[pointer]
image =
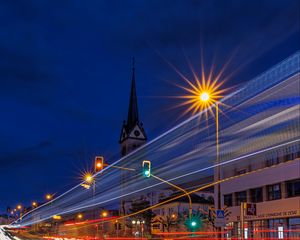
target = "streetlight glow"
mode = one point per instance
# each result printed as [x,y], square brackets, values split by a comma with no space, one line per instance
[88,178]
[48,197]
[104,214]
[202,93]
[204,96]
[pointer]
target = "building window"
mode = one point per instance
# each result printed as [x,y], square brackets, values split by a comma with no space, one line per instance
[293,188]
[256,195]
[240,197]
[274,192]
[242,171]
[228,200]
[272,161]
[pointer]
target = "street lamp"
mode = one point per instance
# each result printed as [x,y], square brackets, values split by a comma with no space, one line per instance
[203,96]
[19,207]
[48,197]
[89,178]
[79,216]
[34,204]
[104,214]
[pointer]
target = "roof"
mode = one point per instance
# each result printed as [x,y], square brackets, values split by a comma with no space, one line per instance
[194,197]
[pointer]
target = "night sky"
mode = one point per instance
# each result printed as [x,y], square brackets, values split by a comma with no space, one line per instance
[65,72]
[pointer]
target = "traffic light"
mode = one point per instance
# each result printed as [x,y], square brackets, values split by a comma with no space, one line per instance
[146,168]
[193,224]
[99,163]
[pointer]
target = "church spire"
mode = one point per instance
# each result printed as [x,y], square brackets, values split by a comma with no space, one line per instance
[132,134]
[133,114]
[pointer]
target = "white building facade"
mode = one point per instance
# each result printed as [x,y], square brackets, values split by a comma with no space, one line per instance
[267,167]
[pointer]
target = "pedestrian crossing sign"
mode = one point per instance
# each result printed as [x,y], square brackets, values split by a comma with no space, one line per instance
[220,214]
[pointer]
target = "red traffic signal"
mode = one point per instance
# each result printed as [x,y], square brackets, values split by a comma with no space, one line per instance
[99,163]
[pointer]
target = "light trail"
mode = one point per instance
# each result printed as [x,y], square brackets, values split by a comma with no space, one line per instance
[201,188]
[189,153]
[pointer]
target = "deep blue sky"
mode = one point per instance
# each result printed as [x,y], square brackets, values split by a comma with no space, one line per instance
[65,69]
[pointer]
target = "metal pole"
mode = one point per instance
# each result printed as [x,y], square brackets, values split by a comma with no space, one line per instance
[179,188]
[242,220]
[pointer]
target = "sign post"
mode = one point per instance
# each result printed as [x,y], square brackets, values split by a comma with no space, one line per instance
[248,209]
[220,218]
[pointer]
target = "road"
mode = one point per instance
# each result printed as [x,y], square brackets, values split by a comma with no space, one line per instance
[4,235]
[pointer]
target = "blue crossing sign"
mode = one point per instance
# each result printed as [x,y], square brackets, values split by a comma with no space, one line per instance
[220,220]
[220,213]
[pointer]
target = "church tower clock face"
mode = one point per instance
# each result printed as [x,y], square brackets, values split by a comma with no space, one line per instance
[137,133]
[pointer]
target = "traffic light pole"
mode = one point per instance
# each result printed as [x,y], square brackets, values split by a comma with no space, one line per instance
[179,188]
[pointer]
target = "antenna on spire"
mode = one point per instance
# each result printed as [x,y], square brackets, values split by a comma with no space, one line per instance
[133,63]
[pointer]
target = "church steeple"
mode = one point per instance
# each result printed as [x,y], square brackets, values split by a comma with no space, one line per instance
[133,134]
[133,113]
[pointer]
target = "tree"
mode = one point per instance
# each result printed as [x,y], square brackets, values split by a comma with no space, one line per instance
[146,216]
[166,221]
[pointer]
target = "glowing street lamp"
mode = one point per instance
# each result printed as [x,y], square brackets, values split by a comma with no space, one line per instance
[204,96]
[104,214]
[19,207]
[79,216]
[89,178]
[34,204]
[48,197]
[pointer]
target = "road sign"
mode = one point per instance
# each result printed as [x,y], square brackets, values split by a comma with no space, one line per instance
[220,214]
[251,209]
[220,220]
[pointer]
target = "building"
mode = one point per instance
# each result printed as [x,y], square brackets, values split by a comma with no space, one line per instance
[170,216]
[133,134]
[270,180]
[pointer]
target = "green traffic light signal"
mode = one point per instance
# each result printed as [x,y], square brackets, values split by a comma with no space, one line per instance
[146,168]
[146,173]
[193,224]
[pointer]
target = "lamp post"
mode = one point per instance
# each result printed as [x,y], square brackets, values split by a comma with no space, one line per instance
[104,214]
[205,99]
[90,180]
